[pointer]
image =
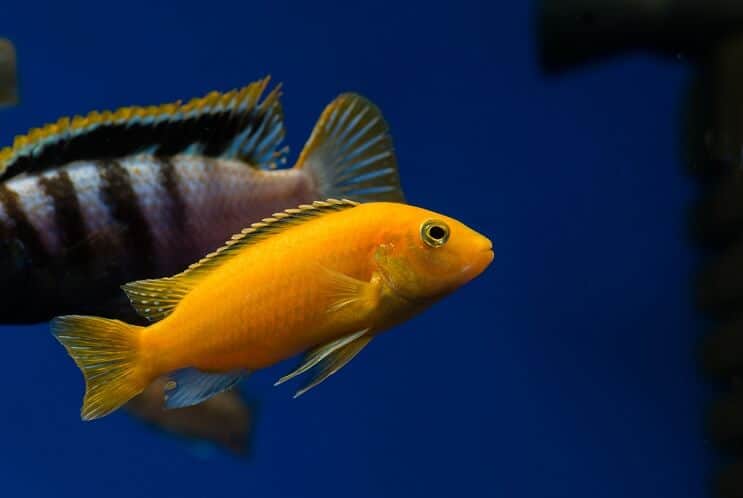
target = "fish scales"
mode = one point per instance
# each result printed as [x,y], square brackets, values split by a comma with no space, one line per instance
[217,193]
[31,212]
[137,238]
[324,278]
[129,214]
[94,254]
[71,234]
[68,224]
[278,304]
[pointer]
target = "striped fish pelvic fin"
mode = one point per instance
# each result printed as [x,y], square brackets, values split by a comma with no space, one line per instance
[242,124]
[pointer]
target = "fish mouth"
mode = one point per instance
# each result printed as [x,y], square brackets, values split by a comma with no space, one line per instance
[484,257]
[479,261]
[488,249]
[488,257]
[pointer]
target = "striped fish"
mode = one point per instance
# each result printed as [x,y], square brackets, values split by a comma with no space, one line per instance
[90,203]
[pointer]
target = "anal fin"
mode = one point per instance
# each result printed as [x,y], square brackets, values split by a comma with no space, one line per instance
[190,386]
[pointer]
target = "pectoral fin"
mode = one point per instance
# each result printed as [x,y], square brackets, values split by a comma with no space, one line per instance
[330,357]
[350,293]
[351,296]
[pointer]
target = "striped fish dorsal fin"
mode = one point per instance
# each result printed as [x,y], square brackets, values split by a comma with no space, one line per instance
[238,124]
[155,299]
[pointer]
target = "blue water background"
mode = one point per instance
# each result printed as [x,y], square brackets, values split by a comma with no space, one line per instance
[567,370]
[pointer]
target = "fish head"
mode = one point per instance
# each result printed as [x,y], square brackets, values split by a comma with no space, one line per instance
[430,255]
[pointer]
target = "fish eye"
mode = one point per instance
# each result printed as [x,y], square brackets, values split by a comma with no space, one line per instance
[434,233]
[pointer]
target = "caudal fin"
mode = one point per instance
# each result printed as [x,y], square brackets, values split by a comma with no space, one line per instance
[106,351]
[350,153]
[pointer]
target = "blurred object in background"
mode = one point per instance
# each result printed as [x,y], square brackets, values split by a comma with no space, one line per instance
[721,352]
[714,139]
[729,482]
[8,76]
[718,217]
[223,419]
[710,34]
[576,32]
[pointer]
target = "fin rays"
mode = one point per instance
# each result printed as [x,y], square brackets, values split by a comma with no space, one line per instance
[190,386]
[106,351]
[242,124]
[155,299]
[328,359]
[258,231]
[333,363]
[350,153]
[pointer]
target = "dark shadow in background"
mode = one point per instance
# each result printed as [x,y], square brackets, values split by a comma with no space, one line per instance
[8,74]
[224,420]
[709,34]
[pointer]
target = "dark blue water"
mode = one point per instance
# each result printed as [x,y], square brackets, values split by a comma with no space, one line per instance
[567,370]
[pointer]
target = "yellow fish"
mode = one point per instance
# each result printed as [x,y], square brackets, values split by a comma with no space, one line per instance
[324,278]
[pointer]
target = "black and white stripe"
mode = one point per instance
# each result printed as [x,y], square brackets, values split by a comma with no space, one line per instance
[169,179]
[100,227]
[69,225]
[118,194]
[21,216]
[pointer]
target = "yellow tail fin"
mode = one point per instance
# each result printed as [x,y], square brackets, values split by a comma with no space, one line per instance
[106,351]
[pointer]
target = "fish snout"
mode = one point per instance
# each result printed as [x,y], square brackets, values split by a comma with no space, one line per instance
[481,257]
[487,254]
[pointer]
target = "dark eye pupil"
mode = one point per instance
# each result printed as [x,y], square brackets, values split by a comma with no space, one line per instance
[436,232]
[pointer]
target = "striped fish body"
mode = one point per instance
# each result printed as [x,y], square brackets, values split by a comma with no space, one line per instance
[73,235]
[89,204]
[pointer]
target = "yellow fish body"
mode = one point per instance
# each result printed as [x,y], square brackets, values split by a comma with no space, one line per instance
[324,278]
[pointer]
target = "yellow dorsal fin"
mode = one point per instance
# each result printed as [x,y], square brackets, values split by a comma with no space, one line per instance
[245,124]
[155,299]
[263,229]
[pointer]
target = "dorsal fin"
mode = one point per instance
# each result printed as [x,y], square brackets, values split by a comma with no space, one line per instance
[263,229]
[235,124]
[155,299]
[350,152]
